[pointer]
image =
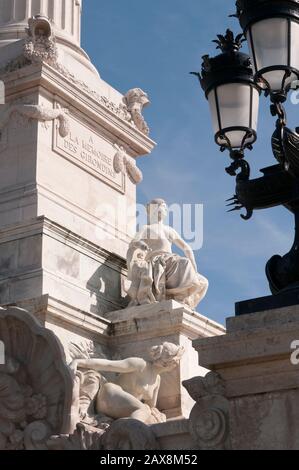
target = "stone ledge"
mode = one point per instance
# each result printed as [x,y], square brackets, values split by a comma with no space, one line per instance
[264,319]
[174,435]
[164,316]
[246,346]
[288,298]
[42,225]
[49,310]
[254,356]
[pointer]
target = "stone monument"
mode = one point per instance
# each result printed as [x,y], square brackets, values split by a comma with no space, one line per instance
[69,320]
[60,133]
[69,147]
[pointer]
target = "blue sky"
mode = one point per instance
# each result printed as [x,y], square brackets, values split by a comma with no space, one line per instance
[154,45]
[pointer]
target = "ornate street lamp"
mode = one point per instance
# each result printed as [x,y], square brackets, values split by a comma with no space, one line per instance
[272,31]
[233,96]
[232,89]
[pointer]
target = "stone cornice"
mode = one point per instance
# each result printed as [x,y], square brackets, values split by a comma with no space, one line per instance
[83,98]
[43,225]
[245,347]
[164,318]
[47,309]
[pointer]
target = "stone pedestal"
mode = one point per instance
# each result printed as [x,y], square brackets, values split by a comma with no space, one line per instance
[262,385]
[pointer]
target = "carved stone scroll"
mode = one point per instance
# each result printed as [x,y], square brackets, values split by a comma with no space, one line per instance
[209,419]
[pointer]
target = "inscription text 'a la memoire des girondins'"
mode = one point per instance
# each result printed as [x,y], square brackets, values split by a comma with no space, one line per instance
[90,151]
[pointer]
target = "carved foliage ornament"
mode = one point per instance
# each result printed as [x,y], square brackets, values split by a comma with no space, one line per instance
[125,164]
[36,112]
[40,44]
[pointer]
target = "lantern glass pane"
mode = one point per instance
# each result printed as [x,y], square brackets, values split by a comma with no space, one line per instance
[238,107]
[213,110]
[270,42]
[269,46]
[294,45]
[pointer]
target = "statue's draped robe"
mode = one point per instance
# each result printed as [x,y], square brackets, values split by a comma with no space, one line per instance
[174,277]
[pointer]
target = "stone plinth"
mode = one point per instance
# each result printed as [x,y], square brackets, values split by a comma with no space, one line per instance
[135,330]
[173,435]
[262,385]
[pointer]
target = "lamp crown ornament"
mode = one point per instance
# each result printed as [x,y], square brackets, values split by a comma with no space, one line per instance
[230,60]
[229,42]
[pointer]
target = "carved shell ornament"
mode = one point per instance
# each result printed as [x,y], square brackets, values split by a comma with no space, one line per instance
[35,383]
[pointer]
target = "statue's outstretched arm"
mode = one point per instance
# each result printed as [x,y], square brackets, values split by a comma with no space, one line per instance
[180,243]
[103,365]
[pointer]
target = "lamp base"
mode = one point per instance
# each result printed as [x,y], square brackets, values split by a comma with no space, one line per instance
[283,271]
[287,298]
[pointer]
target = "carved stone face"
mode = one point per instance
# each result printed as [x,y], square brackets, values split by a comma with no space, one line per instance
[167,356]
[157,211]
[163,210]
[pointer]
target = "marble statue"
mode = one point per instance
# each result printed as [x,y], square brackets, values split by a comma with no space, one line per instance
[134,392]
[155,272]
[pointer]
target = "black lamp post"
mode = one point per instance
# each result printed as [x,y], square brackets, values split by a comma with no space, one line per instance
[232,82]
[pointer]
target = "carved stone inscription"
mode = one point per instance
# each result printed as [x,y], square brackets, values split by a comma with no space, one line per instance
[87,149]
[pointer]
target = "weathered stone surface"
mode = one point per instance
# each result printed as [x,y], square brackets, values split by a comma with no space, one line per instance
[261,381]
[40,257]
[209,419]
[174,435]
